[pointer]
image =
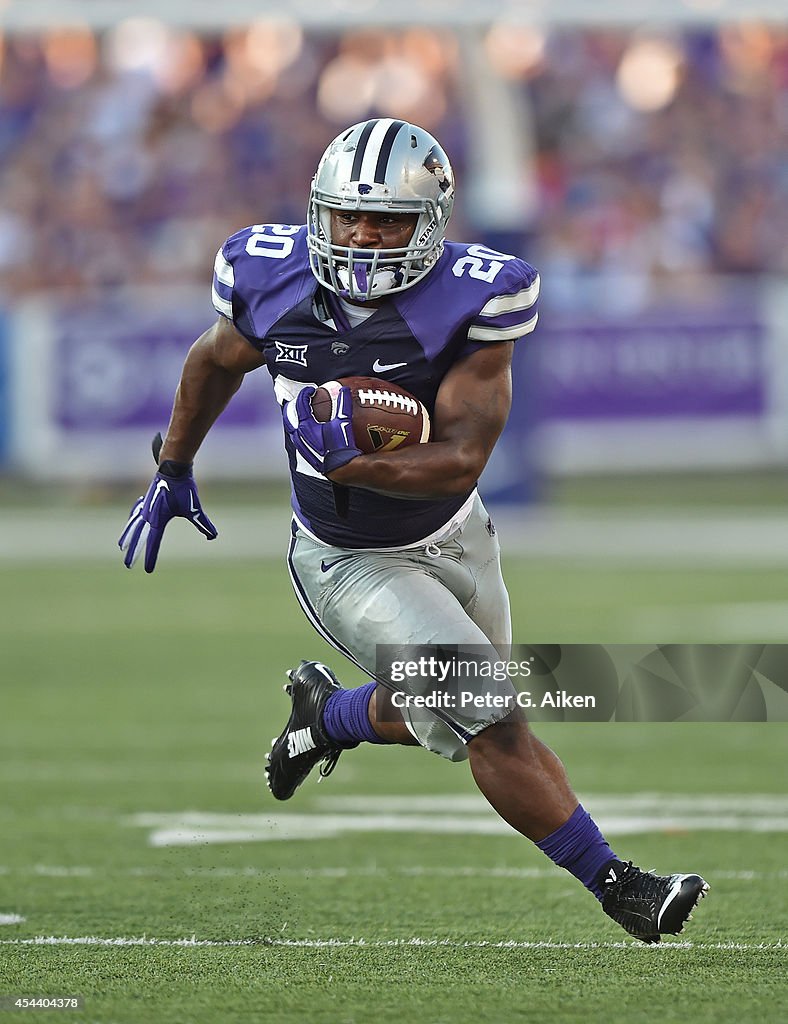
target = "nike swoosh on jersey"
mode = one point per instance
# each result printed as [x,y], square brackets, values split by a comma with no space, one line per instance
[379,367]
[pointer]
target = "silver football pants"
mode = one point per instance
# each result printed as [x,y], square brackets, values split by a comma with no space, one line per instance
[449,594]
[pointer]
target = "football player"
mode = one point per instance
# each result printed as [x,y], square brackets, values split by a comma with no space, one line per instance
[392,550]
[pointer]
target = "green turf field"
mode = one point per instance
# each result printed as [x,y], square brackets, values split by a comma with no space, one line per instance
[135,714]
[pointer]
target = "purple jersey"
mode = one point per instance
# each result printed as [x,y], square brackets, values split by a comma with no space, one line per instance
[473,296]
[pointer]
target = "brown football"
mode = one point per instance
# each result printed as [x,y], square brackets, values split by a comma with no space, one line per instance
[385,416]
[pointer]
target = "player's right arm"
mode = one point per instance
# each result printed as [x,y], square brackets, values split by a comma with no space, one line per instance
[214,368]
[212,373]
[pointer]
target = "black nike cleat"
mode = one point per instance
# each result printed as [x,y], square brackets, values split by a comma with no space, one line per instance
[303,742]
[648,905]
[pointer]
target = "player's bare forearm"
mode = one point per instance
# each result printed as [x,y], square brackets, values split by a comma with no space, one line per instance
[212,373]
[470,412]
[202,394]
[436,470]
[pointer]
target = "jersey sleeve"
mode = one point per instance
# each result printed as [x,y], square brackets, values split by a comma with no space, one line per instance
[258,273]
[511,313]
[223,284]
[228,291]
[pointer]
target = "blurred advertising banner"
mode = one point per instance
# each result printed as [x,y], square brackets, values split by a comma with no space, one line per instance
[94,379]
[696,384]
[91,378]
[655,367]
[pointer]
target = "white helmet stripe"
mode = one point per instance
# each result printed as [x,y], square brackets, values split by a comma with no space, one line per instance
[369,162]
[385,151]
[361,145]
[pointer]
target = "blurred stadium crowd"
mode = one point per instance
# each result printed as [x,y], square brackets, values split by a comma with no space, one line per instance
[127,157]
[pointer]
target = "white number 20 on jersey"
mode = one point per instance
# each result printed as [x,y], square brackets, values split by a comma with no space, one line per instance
[475,262]
[272,240]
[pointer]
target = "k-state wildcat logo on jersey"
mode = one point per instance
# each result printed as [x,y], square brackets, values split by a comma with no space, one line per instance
[290,353]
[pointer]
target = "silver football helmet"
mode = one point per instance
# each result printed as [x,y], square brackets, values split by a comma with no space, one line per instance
[382,166]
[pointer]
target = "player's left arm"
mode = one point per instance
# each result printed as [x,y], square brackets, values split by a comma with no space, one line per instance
[471,409]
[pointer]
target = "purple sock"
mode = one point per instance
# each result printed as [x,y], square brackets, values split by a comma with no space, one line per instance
[580,847]
[346,716]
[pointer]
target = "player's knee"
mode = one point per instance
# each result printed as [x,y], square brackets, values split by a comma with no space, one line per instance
[505,737]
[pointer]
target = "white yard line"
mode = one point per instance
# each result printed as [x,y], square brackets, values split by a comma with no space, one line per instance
[11,919]
[450,814]
[309,827]
[334,943]
[462,815]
